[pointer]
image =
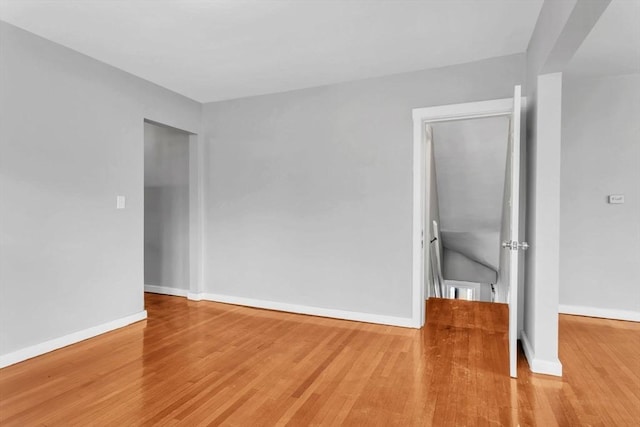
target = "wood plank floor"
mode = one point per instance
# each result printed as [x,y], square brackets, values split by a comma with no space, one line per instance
[203,363]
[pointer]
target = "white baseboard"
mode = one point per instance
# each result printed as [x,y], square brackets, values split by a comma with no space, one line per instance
[56,343]
[605,313]
[165,290]
[405,322]
[539,366]
[194,296]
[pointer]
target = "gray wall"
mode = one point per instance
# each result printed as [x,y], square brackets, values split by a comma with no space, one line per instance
[309,193]
[600,242]
[539,295]
[71,139]
[470,159]
[166,207]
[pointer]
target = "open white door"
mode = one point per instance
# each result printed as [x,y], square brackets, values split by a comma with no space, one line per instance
[513,245]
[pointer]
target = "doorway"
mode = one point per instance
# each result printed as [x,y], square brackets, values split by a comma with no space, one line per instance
[424,119]
[167,192]
[465,208]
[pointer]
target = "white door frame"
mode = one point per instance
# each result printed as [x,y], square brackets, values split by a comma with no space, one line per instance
[421,117]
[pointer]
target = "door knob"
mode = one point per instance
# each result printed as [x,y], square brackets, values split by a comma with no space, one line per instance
[514,246]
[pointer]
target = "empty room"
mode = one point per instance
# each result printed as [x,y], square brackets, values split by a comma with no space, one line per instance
[319,212]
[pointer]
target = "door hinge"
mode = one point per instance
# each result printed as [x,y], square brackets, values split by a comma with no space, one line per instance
[514,246]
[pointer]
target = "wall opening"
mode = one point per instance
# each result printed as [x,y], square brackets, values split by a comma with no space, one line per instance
[467,199]
[166,210]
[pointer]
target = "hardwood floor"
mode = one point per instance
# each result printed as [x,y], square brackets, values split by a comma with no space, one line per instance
[203,363]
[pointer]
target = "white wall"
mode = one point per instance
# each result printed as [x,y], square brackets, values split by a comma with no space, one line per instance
[541,157]
[600,242]
[561,28]
[542,293]
[166,207]
[71,139]
[309,193]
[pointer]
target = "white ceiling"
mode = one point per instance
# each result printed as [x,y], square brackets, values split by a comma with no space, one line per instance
[613,46]
[214,50]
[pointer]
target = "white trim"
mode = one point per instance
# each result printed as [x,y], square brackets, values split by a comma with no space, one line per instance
[166,290]
[514,229]
[194,296]
[469,110]
[56,343]
[538,366]
[605,313]
[417,271]
[314,311]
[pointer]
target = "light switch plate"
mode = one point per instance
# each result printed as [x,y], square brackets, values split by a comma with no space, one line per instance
[616,199]
[120,202]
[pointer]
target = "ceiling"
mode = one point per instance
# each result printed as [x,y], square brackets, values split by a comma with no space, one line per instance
[471,157]
[613,45]
[223,49]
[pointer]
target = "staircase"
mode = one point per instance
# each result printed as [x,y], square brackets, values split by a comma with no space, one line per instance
[468,264]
